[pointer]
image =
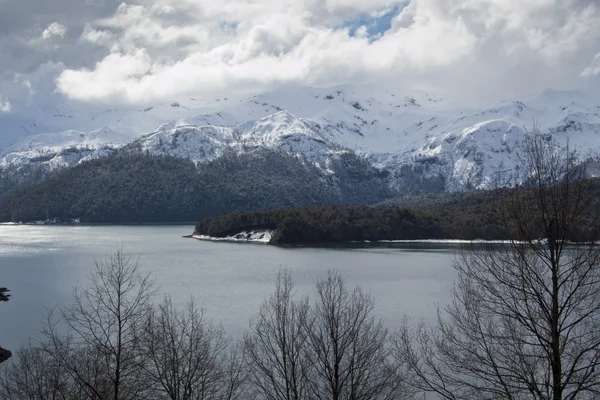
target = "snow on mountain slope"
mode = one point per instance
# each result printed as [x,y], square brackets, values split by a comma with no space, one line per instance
[280,131]
[51,131]
[60,115]
[417,136]
[64,148]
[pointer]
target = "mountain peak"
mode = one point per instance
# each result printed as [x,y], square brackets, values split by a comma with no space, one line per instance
[404,132]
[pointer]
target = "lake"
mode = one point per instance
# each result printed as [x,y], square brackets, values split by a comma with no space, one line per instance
[40,265]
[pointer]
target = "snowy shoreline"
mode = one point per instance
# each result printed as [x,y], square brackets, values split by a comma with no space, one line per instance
[54,221]
[441,241]
[262,236]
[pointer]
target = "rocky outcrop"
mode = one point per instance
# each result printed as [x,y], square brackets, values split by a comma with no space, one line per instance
[4,354]
[3,294]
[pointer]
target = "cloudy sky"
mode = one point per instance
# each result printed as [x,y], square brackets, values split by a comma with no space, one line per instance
[91,52]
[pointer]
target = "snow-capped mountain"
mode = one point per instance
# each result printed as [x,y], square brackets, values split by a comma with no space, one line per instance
[420,138]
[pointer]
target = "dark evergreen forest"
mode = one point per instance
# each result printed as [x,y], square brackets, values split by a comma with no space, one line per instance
[480,215]
[134,187]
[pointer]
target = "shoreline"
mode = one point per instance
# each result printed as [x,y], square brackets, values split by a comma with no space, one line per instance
[264,236]
[233,239]
[257,237]
[230,239]
[43,223]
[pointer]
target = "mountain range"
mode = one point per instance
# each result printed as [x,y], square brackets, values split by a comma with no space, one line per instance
[420,140]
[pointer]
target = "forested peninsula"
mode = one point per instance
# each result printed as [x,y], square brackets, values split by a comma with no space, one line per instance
[480,215]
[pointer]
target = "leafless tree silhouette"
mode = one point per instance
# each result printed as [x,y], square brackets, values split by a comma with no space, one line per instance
[524,322]
[187,355]
[35,374]
[276,343]
[348,345]
[101,349]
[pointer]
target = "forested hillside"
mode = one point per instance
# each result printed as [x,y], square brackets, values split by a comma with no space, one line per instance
[134,187]
[13,178]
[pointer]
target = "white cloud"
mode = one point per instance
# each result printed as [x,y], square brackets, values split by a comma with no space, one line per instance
[162,49]
[96,36]
[54,30]
[157,50]
[362,31]
[593,69]
[20,79]
[5,106]
[120,69]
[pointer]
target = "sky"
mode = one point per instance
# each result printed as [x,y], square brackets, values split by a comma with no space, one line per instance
[91,52]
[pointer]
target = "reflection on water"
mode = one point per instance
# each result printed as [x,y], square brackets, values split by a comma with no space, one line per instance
[40,264]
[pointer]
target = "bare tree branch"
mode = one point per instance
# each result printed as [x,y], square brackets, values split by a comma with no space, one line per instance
[525,318]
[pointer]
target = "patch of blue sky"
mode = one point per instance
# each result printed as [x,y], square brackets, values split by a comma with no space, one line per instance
[376,23]
[229,26]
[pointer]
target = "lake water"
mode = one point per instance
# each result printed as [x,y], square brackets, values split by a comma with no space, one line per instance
[41,264]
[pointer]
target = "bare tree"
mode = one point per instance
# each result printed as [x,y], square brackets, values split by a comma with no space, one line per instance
[235,381]
[524,322]
[100,350]
[276,344]
[34,374]
[347,345]
[186,353]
